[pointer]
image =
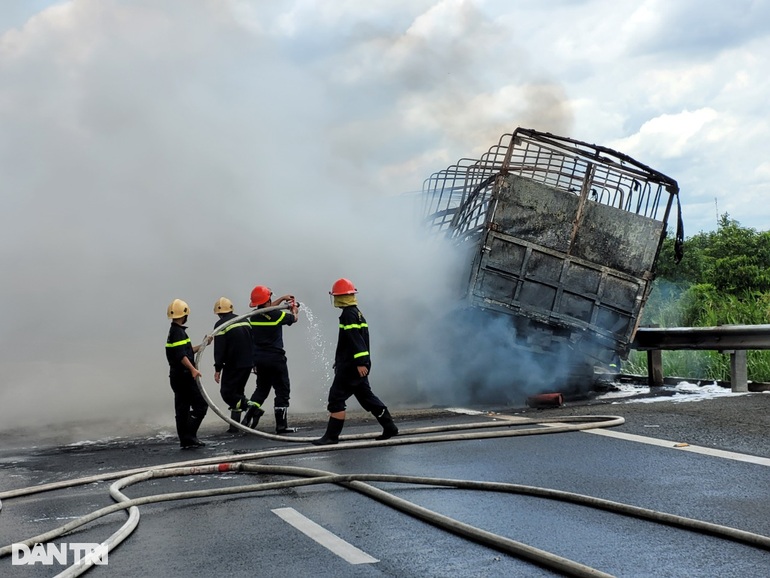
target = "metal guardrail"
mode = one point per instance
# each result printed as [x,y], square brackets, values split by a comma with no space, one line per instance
[731,339]
[718,338]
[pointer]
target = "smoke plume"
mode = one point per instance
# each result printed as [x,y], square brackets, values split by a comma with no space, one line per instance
[193,149]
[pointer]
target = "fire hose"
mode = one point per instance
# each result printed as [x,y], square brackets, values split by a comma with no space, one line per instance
[357,482]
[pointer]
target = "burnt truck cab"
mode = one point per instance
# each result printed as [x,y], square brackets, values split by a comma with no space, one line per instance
[562,236]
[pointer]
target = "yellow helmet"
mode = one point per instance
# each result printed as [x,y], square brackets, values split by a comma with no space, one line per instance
[177,309]
[223,305]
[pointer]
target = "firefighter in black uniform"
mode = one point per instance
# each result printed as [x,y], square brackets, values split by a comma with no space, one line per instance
[233,361]
[269,356]
[189,405]
[352,364]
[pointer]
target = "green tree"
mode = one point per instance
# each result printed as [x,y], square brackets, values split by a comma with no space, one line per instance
[733,259]
[690,269]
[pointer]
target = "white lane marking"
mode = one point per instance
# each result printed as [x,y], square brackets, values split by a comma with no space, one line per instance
[337,545]
[682,447]
[659,442]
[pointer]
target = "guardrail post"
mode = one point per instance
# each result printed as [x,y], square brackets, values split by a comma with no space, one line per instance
[739,378]
[654,368]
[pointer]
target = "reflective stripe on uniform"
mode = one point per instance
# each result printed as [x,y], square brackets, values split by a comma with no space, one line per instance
[229,327]
[265,323]
[178,343]
[354,326]
[360,354]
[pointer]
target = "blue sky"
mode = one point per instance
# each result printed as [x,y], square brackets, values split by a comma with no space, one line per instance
[154,149]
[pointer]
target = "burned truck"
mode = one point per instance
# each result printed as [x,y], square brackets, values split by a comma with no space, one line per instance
[562,236]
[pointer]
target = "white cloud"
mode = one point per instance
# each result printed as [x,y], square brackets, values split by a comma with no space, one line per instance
[669,135]
[762,172]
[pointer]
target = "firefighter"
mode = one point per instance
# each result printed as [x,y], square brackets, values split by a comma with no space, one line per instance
[189,405]
[233,362]
[352,364]
[269,356]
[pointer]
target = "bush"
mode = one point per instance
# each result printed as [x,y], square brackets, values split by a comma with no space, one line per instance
[723,279]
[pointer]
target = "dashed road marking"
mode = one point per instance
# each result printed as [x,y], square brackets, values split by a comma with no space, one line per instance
[324,537]
[680,446]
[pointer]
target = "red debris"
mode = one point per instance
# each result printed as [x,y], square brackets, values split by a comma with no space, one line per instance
[545,400]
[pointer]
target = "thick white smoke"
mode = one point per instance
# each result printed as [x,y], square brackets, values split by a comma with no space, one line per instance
[193,149]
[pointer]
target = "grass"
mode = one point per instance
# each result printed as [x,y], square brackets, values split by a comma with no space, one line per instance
[702,306]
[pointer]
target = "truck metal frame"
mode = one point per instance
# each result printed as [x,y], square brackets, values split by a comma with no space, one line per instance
[563,236]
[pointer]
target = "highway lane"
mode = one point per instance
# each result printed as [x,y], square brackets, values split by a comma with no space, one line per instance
[245,536]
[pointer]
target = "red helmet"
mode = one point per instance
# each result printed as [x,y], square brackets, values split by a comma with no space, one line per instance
[343,287]
[260,295]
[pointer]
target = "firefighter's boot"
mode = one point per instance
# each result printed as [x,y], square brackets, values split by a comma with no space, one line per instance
[332,435]
[389,428]
[183,431]
[252,414]
[190,427]
[195,424]
[235,416]
[281,419]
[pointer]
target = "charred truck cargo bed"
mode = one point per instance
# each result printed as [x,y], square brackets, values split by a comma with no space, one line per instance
[563,238]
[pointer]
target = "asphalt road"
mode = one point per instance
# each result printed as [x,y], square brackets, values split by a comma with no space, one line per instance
[248,535]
